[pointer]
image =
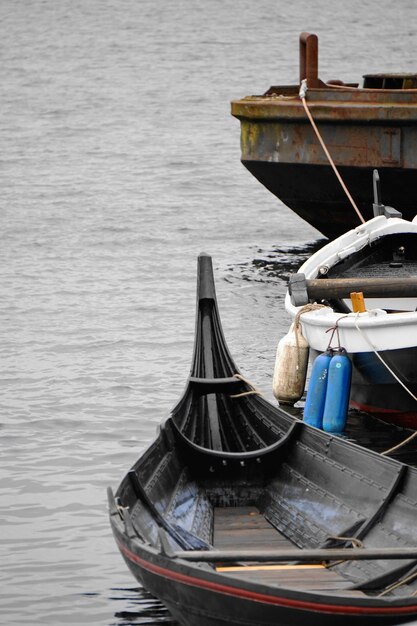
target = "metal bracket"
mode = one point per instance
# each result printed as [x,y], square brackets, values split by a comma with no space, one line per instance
[378,207]
[297,288]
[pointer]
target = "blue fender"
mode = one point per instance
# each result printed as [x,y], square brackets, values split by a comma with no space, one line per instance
[317,387]
[338,392]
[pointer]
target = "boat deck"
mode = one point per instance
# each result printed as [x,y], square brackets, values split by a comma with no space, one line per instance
[246,527]
[384,269]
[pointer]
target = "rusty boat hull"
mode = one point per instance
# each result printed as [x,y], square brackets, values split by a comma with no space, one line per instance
[374,126]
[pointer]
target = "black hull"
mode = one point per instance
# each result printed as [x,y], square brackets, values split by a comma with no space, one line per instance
[194,597]
[375,391]
[314,193]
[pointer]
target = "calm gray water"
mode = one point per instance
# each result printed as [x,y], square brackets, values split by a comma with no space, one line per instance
[119,164]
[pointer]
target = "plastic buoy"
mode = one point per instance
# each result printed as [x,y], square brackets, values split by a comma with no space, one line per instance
[317,387]
[338,392]
[290,366]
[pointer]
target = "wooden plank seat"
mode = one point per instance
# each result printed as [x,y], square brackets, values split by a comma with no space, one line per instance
[245,527]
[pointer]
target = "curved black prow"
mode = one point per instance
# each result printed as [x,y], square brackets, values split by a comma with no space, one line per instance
[212,370]
[206,289]
[219,410]
[211,359]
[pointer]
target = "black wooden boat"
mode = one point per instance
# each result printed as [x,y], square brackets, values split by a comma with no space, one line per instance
[240,514]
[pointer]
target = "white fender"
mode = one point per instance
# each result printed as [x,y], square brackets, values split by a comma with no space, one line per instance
[290,366]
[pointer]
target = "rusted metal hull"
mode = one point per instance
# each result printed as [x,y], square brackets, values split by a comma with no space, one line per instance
[313,192]
[362,128]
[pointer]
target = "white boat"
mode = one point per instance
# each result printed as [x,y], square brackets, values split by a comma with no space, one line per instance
[378,259]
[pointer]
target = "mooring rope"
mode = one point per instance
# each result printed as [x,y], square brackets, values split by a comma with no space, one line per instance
[312,306]
[413,435]
[303,92]
[357,543]
[253,391]
[398,584]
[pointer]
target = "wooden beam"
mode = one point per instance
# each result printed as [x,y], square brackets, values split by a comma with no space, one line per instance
[310,555]
[328,288]
[303,290]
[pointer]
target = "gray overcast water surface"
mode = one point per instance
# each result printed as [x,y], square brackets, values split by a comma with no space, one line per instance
[119,164]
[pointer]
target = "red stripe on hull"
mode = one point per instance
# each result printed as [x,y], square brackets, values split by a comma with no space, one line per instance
[398,418]
[261,597]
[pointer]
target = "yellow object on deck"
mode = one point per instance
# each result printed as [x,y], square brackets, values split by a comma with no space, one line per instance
[358,303]
[242,568]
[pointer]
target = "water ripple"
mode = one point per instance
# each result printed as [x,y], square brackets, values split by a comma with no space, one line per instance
[119,164]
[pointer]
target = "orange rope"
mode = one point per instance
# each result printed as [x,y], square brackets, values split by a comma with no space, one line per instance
[303,91]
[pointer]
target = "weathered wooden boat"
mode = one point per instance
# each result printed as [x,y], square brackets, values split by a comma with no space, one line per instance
[240,514]
[379,260]
[363,127]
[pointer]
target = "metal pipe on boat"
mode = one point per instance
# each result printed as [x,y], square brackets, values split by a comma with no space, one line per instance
[309,63]
[391,287]
[304,290]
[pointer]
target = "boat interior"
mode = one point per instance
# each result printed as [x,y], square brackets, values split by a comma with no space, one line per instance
[392,255]
[306,491]
[389,258]
[229,471]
